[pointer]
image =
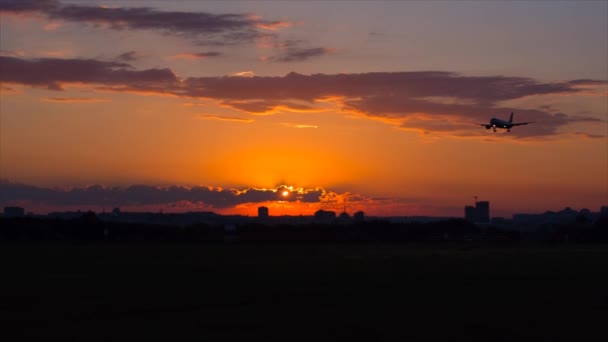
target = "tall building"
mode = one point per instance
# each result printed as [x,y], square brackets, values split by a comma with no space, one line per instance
[483,211]
[480,213]
[470,213]
[263,212]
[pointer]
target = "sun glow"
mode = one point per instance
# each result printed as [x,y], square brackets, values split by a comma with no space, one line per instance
[285,193]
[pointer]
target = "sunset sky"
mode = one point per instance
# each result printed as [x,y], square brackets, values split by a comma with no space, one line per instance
[374,106]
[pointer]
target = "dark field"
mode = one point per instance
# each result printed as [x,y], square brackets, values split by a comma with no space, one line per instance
[303,293]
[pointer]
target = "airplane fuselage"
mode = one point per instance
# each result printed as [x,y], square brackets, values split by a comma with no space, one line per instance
[497,123]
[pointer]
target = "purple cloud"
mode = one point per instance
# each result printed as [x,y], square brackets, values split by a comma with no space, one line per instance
[300,54]
[204,28]
[196,55]
[52,72]
[431,101]
[143,195]
[127,56]
[27,6]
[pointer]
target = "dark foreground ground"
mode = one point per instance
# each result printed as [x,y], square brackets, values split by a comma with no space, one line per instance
[302,293]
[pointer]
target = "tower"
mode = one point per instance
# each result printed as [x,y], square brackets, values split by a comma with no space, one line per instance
[262,212]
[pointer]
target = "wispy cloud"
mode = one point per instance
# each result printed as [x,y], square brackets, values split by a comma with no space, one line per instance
[224,118]
[75,100]
[198,55]
[261,107]
[291,50]
[201,27]
[52,26]
[243,74]
[10,53]
[129,56]
[300,54]
[271,26]
[293,125]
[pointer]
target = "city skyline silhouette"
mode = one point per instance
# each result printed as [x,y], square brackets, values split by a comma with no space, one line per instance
[220,106]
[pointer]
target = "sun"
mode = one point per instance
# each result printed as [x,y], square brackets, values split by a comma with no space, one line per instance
[285,193]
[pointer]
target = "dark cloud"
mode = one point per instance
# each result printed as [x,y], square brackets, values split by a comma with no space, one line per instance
[431,101]
[374,86]
[127,56]
[588,82]
[448,102]
[208,54]
[267,107]
[204,28]
[197,55]
[53,72]
[300,54]
[149,195]
[75,100]
[27,6]
[295,50]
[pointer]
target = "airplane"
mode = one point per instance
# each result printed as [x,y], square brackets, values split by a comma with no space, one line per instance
[497,123]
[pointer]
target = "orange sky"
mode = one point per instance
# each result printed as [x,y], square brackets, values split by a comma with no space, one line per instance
[367,113]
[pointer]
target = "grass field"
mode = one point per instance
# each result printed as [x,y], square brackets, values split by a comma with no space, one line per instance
[303,293]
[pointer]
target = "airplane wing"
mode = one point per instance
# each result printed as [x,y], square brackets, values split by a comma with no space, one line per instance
[522,123]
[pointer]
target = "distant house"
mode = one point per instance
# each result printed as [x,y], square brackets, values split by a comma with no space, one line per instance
[325,215]
[14,212]
[359,216]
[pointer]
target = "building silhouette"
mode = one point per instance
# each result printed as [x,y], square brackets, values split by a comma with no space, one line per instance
[14,212]
[359,216]
[324,215]
[263,212]
[480,213]
[604,211]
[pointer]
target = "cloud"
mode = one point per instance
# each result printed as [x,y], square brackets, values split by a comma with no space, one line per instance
[243,74]
[143,195]
[225,118]
[261,107]
[4,90]
[127,56]
[53,72]
[52,26]
[589,136]
[291,50]
[272,26]
[27,6]
[203,28]
[9,53]
[292,125]
[427,101]
[300,54]
[199,55]
[75,100]
[423,101]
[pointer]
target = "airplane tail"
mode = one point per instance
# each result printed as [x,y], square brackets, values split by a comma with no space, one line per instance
[511,117]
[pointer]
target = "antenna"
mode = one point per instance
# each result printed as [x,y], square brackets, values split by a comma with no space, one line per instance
[475,197]
[345,202]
